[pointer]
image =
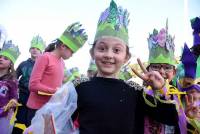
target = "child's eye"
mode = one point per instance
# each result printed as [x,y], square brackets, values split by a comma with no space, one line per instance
[3,57]
[157,67]
[101,49]
[116,50]
[168,67]
[187,84]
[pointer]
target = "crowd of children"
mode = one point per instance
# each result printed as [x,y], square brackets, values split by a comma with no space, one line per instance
[107,100]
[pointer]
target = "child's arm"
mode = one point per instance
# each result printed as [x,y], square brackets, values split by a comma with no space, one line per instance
[35,84]
[13,89]
[164,112]
[12,92]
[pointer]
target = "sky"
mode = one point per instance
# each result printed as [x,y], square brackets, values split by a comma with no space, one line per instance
[24,19]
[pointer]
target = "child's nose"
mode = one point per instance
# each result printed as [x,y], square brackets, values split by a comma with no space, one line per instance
[161,71]
[109,54]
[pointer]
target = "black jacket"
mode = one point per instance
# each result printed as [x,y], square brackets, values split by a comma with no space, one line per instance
[111,106]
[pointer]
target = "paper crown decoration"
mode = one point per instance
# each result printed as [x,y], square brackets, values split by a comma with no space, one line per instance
[74,36]
[72,74]
[38,42]
[188,79]
[3,36]
[125,73]
[191,64]
[161,47]
[195,23]
[10,51]
[92,66]
[113,22]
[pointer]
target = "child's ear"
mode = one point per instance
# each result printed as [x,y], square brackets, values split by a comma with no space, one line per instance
[174,72]
[128,56]
[63,46]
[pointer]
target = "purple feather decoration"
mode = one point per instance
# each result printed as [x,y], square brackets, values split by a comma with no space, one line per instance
[189,62]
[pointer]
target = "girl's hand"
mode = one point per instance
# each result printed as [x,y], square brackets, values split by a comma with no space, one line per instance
[153,78]
[12,103]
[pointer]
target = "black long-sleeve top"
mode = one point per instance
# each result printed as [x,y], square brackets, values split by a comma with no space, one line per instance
[111,106]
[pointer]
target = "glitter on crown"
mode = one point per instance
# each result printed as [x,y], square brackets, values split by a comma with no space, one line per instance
[74,36]
[118,16]
[77,32]
[113,22]
[161,47]
[162,39]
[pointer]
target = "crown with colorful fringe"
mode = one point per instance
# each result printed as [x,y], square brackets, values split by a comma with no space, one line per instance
[74,36]
[113,22]
[189,76]
[10,51]
[195,24]
[38,42]
[161,47]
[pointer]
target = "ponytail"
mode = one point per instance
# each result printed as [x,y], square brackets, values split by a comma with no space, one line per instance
[52,46]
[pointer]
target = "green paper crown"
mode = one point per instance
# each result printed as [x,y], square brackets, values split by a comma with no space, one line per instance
[74,37]
[125,73]
[92,66]
[10,51]
[161,47]
[75,72]
[38,42]
[72,74]
[113,22]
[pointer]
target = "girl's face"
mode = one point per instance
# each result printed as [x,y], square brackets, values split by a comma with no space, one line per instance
[5,63]
[109,54]
[167,71]
[65,52]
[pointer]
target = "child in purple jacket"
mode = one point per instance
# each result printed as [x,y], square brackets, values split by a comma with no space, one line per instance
[8,85]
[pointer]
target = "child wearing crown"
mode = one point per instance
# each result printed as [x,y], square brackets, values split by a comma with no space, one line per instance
[23,73]
[48,71]
[189,80]
[8,85]
[161,59]
[106,104]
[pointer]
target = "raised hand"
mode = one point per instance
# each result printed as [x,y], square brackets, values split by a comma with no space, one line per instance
[153,78]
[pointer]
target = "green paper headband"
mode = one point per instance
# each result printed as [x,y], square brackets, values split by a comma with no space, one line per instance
[160,55]
[74,37]
[37,42]
[10,51]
